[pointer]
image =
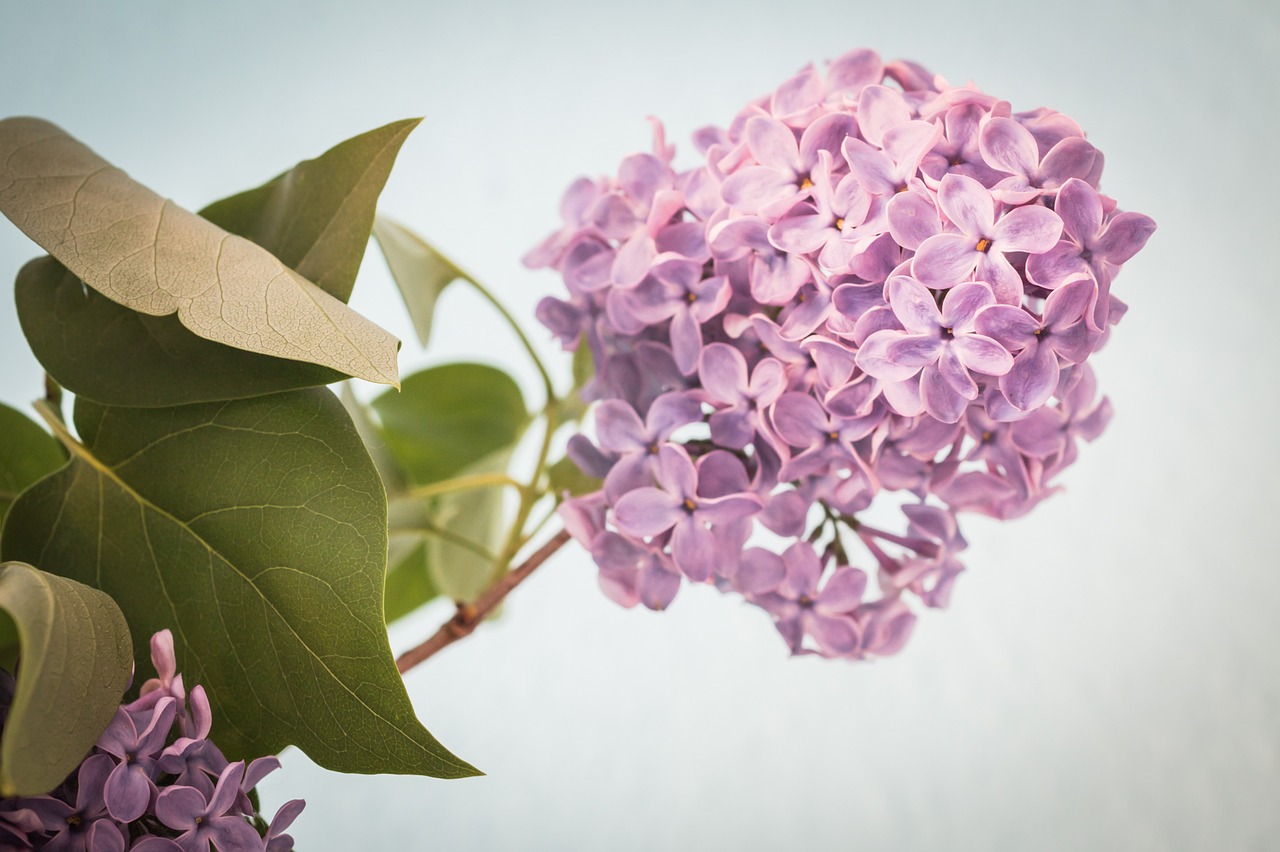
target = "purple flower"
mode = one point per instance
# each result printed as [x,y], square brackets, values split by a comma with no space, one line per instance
[978,251]
[205,820]
[677,506]
[1009,147]
[800,608]
[130,787]
[723,372]
[636,444]
[1039,342]
[87,826]
[942,345]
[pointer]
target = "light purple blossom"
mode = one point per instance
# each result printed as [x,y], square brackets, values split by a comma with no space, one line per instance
[874,285]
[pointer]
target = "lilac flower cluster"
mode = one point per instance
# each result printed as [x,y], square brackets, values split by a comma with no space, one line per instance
[146,790]
[873,282]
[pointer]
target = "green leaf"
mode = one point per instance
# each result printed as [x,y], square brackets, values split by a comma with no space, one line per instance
[566,476]
[409,583]
[110,354]
[76,662]
[257,530]
[27,453]
[421,272]
[584,369]
[154,257]
[449,418]
[476,515]
[317,216]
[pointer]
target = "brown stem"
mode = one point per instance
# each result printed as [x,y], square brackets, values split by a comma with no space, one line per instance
[469,615]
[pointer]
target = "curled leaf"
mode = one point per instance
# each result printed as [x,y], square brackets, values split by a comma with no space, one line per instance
[156,258]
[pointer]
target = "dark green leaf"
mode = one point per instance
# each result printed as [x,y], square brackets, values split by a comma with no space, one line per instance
[27,453]
[419,271]
[154,257]
[317,216]
[76,659]
[257,530]
[449,418]
[116,356]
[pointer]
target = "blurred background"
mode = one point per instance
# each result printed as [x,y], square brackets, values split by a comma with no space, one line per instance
[1107,675]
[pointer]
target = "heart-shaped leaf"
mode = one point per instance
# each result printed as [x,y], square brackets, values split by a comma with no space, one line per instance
[257,530]
[156,258]
[27,453]
[76,659]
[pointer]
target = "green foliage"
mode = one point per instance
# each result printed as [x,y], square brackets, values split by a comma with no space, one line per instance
[420,272]
[27,453]
[76,661]
[317,216]
[450,418]
[566,477]
[256,529]
[154,257]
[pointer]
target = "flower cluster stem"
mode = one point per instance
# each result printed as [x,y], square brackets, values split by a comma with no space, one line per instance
[469,615]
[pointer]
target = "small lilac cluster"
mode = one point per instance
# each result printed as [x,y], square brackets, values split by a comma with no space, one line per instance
[144,789]
[873,282]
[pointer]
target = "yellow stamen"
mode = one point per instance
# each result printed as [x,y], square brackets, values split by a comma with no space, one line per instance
[689,504]
[839,224]
[806,184]
[983,245]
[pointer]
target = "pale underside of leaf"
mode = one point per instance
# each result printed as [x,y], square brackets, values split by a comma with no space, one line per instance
[76,660]
[150,255]
[421,273]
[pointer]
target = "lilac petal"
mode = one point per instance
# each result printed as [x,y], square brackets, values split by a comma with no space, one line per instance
[724,510]
[913,218]
[1124,236]
[982,354]
[755,187]
[1040,433]
[1066,305]
[103,836]
[733,428]
[656,586]
[870,167]
[1051,268]
[155,843]
[835,635]
[953,371]
[178,806]
[127,792]
[671,411]
[803,570]
[686,341]
[907,144]
[1006,283]
[759,572]
[1009,147]
[1011,326]
[721,474]
[768,381]
[641,176]
[1031,229]
[233,834]
[886,627]
[1072,157]
[772,143]
[801,234]
[912,351]
[736,238]
[784,514]
[224,794]
[91,781]
[963,303]
[633,260]
[693,549]
[798,418]
[939,398]
[587,457]
[1034,375]
[913,305]
[776,278]
[967,204]
[120,736]
[285,816]
[618,426]
[843,591]
[1080,208]
[1091,426]
[877,358]
[647,512]
[801,92]
[945,260]
[257,770]
[853,70]
[879,110]
[676,472]
[826,134]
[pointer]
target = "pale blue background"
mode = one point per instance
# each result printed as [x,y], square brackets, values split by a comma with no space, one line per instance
[1107,677]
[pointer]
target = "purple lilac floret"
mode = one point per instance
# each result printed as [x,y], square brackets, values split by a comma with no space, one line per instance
[872,283]
[154,782]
